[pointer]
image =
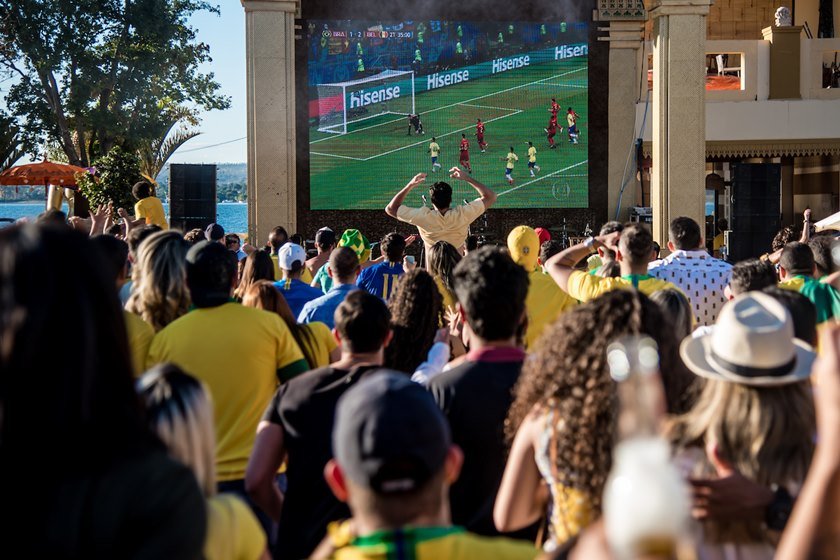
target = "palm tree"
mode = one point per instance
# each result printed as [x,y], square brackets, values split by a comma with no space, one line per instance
[155,153]
[11,146]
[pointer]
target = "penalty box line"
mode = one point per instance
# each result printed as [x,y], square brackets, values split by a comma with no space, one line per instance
[458,103]
[553,173]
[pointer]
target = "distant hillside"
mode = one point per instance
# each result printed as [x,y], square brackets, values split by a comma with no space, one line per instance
[231,182]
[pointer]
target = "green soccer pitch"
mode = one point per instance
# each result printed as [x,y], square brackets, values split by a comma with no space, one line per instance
[364,168]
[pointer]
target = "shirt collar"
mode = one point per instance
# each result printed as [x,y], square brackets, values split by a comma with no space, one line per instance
[696,254]
[496,354]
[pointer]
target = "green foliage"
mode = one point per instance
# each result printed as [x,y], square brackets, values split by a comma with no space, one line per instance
[12,143]
[116,173]
[94,74]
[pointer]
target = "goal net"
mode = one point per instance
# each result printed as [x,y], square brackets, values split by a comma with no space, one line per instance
[343,103]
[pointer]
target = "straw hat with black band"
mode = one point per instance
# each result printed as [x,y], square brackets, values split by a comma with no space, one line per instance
[752,344]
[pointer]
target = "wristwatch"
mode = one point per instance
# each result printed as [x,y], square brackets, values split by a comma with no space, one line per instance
[589,242]
[778,512]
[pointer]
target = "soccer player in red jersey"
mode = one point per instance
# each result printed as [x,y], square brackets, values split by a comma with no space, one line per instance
[464,159]
[555,108]
[479,135]
[551,131]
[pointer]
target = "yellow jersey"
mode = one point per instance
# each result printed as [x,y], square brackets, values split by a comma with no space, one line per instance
[434,149]
[321,345]
[151,208]
[511,159]
[544,303]
[140,335]
[240,353]
[232,530]
[532,154]
[586,287]
[305,276]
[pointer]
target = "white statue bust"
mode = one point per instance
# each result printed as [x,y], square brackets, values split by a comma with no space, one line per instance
[783,17]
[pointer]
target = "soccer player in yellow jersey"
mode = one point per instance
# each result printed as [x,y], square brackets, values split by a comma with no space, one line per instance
[511,159]
[434,151]
[532,160]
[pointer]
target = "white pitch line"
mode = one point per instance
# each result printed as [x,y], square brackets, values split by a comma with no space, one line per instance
[458,103]
[569,86]
[516,112]
[489,107]
[337,156]
[543,177]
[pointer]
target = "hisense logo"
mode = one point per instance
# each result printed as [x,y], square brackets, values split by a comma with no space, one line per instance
[364,98]
[504,64]
[441,80]
[569,51]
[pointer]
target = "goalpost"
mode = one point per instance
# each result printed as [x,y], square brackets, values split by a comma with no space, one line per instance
[342,103]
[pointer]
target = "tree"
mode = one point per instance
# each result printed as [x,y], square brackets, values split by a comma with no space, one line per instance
[154,153]
[116,173]
[12,144]
[97,74]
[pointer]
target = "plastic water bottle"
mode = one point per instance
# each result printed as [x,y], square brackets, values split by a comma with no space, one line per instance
[646,501]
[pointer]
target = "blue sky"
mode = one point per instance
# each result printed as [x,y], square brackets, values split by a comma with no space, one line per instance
[226,36]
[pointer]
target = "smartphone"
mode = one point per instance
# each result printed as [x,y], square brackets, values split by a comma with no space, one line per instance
[409,259]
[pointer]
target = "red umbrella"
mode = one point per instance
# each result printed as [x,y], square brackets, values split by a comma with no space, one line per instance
[42,173]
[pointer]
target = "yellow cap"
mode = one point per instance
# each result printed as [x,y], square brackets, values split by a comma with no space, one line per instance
[524,246]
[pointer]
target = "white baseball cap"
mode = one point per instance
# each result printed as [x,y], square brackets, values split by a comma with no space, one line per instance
[288,254]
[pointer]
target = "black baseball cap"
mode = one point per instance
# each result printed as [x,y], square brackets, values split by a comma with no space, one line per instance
[214,232]
[389,435]
[325,236]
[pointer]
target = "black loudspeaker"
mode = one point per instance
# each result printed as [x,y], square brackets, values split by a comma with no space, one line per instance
[755,209]
[192,196]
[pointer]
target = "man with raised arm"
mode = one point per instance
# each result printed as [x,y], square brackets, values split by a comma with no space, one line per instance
[441,222]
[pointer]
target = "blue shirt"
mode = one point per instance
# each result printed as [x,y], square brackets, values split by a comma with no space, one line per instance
[323,308]
[380,279]
[297,293]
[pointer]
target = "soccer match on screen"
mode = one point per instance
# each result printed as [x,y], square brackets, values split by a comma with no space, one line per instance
[507,102]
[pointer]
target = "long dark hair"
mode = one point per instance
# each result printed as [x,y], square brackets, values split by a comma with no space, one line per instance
[416,314]
[263,295]
[65,369]
[443,257]
[258,266]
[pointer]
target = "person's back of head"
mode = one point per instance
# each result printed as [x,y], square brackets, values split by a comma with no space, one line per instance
[297,239]
[258,266]
[471,243]
[193,236]
[416,313]
[210,274]
[606,229]
[443,258]
[82,394]
[821,248]
[393,247]
[684,234]
[138,235]
[160,294]
[394,456]
[750,275]
[53,217]
[636,245]
[277,238]
[675,306]
[325,239]
[802,311]
[363,323]
[115,252]
[491,289]
[441,195]
[797,260]
[141,190]
[344,265]
[782,238]
[179,411]
[550,248]
[523,245]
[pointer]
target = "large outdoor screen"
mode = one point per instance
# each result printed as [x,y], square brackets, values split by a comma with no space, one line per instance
[380,92]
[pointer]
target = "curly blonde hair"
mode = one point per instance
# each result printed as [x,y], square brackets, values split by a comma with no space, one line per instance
[160,293]
[569,374]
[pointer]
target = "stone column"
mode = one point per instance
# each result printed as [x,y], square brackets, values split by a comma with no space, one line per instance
[270,77]
[625,40]
[679,112]
[785,46]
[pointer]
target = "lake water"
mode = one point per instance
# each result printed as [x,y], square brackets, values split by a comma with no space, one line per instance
[232,217]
